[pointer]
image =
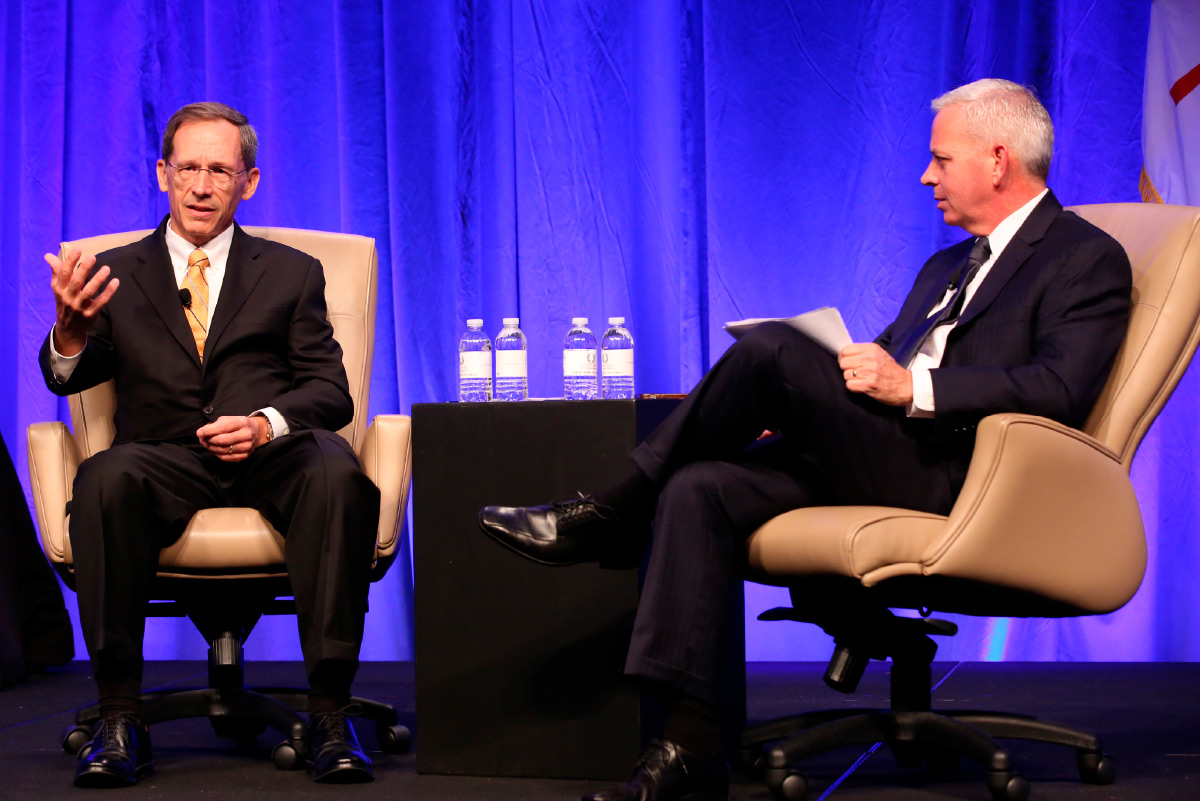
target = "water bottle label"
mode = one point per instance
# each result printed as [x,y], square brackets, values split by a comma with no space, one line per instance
[618,362]
[580,362]
[475,364]
[511,364]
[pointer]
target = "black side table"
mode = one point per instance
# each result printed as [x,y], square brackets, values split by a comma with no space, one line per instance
[518,665]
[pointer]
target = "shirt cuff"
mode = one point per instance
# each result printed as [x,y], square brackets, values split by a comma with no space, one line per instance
[922,402]
[62,366]
[279,426]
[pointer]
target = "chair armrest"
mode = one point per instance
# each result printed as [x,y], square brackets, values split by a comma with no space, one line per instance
[53,461]
[386,458]
[1045,509]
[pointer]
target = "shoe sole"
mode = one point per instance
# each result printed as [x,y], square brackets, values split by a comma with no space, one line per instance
[347,775]
[102,779]
[496,537]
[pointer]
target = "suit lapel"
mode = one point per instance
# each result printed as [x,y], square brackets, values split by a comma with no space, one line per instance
[156,279]
[910,320]
[1018,251]
[242,273]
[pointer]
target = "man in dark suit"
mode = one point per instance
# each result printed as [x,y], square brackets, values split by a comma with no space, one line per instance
[229,391]
[1025,316]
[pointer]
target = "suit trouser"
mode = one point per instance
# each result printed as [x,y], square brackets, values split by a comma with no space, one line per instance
[719,483]
[133,499]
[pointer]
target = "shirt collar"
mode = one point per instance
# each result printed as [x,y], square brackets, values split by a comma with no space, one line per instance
[999,238]
[217,248]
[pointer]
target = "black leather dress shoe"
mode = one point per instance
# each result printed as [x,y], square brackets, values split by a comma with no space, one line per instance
[566,532]
[118,755]
[670,772]
[336,756]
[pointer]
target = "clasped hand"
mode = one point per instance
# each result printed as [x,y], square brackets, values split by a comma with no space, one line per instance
[77,298]
[232,439]
[870,370]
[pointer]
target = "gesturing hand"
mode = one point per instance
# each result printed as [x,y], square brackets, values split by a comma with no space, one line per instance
[869,369]
[77,298]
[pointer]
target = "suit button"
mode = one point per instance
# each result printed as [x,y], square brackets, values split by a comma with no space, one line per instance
[208,410]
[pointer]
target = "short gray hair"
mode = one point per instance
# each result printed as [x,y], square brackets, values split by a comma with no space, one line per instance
[1006,112]
[212,111]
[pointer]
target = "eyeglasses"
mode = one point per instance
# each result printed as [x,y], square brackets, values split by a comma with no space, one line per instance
[222,178]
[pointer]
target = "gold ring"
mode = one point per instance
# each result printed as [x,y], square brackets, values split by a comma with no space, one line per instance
[231,450]
[854,373]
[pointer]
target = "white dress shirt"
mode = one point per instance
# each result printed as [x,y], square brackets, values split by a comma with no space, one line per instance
[929,357]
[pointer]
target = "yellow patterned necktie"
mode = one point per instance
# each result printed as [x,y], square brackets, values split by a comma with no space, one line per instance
[197,284]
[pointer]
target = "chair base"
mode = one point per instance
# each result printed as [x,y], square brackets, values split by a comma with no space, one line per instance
[935,740]
[916,734]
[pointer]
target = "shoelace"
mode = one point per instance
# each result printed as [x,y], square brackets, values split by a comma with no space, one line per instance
[570,510]
[108,731]
[658,752]
[334,724]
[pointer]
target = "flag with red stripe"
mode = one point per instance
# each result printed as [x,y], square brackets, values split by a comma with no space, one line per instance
[1171,105]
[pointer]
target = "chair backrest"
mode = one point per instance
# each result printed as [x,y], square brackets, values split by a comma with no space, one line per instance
[351,265]
[1163,243]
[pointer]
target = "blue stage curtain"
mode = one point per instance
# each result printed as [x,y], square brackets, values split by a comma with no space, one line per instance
[680,163]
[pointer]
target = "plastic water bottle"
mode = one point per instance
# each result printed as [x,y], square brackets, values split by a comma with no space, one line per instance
[512,368]
[616,360]
[474,364]
[579,361]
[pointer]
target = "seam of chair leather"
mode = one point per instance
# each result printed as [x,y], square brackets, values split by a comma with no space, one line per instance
[1006,422]
[1167,387]
[405,474]
[35,482]
[860,529]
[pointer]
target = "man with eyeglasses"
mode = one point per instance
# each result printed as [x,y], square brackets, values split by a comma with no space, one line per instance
[229,391]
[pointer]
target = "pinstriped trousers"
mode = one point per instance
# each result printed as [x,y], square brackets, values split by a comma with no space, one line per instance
[719,482]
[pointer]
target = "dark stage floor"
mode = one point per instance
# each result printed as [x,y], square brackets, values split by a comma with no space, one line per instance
[1147,714]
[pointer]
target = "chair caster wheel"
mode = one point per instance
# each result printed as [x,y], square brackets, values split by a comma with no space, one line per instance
[786,784]
[287,757]
[74,738]
[1008,786]
[394,739]
[1096,768]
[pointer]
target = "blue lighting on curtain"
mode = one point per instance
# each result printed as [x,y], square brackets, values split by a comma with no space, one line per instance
[680,163]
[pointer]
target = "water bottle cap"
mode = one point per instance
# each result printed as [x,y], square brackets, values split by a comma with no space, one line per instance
[616,321]
[474,323]
[512,320]
[579,321]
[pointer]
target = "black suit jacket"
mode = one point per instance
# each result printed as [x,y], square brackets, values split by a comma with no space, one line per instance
[1041,332]
[270,344]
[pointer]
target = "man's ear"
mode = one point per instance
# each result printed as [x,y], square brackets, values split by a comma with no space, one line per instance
[1001,163]
[162,175]
[251,183]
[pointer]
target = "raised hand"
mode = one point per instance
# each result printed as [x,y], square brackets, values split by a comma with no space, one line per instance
[78,298]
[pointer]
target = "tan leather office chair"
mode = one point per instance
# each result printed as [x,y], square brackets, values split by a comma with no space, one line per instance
[227,569]
[1047,525]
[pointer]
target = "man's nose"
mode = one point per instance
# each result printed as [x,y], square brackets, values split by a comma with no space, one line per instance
[927,177]
[203,184]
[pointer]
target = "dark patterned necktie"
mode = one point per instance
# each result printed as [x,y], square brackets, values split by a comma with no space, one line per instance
[949,313]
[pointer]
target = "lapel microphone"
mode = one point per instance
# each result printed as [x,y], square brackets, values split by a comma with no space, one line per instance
[185,297]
